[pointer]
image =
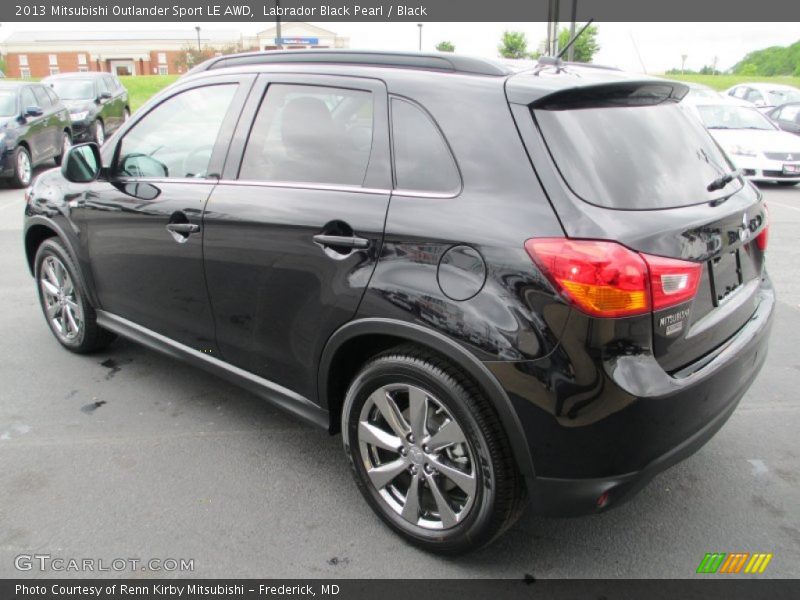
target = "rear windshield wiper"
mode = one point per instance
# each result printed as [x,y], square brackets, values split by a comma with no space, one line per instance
[723,180]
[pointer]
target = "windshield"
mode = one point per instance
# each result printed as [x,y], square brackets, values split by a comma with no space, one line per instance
[635,157]
[778,97]
[724,116]
[74,89]
[702,94]
[8,103]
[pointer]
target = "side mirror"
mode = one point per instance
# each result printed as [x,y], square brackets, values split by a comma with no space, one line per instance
[33,111]
[82,163]
[104,96]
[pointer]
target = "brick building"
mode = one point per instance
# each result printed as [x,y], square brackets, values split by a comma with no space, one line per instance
[43,53]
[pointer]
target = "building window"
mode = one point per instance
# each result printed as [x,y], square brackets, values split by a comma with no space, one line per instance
[23,60]
[53,58]
[162,70]
[162,58]
[83,69]
[25,73]
[81,59]
[54,71]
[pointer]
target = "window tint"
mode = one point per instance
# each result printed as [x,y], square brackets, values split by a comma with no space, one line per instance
[422,160]
[754,96]
[177,137]
[310,134]
[42,99]
[102,86]
[740,92]
[110,85]
[635,157]
[28,99]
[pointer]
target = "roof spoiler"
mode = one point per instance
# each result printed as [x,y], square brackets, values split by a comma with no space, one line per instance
[622,93]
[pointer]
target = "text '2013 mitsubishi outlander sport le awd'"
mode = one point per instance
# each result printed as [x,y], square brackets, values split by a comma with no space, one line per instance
[505,288]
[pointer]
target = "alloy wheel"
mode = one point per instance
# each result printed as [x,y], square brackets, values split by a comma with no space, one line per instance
[417,457]
[61,302]
[24,169]
[99,133]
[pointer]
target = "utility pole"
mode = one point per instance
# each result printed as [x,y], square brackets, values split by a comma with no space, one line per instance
[197,29]
[571,51]
[683,62]
[278,37]
[552,27]
[420,36]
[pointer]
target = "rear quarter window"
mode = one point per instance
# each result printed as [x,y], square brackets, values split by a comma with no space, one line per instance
[422,160]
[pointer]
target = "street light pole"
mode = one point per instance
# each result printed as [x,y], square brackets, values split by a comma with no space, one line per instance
[420,36]
[197,29]
[571,51]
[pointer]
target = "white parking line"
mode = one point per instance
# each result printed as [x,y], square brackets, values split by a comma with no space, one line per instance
[771,202]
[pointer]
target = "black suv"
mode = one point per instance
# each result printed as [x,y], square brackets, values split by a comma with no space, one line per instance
[97,103]
[503,288]
[34,128]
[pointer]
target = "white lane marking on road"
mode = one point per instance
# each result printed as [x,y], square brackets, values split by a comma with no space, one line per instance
[781,204]
[759,468]
[14,431]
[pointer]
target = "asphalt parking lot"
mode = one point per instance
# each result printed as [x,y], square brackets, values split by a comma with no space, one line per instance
[130,454]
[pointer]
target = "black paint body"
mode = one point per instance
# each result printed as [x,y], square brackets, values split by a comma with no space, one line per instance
[590,405]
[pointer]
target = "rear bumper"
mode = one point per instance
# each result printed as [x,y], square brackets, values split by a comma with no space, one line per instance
[634,422]
[81,132]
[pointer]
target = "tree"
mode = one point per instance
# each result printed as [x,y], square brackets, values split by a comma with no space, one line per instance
[191,56]
[514,44]
[776,60]
[585,47]
[445,46]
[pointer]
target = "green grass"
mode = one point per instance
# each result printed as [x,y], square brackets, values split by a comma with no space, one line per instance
[142,87]
[723,82]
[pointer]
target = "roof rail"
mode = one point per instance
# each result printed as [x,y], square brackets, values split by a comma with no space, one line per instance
[452,63]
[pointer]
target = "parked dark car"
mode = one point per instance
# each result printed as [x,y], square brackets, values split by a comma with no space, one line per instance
[97,103]
[787,117]
[495,315]
[34,128]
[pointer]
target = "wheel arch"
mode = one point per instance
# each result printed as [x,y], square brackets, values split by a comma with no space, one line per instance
[38,230]
[354,343]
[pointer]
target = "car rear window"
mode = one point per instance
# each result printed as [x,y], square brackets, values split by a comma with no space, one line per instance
[635,152]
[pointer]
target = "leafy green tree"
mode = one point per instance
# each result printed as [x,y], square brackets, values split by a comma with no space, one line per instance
[776,60]
[3,66]
[513,44]
[585,47]
[446,46]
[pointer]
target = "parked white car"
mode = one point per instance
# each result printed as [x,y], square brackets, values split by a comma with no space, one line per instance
[765,96]
[753,142]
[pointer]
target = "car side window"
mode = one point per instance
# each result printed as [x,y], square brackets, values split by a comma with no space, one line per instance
[422,160]
[109,81]
[27,98]
[310,134]
[176,138]
[42,99]
[740,92]
[753,96]
[102,86]
[53,97]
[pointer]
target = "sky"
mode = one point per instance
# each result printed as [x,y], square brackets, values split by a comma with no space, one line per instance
[659,45]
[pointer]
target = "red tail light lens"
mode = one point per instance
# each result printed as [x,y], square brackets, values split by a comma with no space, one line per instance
[606,279]
[763,237]
[672,281]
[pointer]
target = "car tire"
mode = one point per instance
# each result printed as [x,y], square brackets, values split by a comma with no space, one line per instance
[99,132]
[67,312]
[23,168]
[468,488]
[66,142]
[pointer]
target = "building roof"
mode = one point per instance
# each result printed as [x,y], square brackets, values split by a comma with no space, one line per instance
[297,27]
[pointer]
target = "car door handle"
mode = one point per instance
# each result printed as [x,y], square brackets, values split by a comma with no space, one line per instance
[185,228]
[341,241]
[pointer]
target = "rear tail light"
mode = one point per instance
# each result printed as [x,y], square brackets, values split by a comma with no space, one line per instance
[763,237]
[606,279]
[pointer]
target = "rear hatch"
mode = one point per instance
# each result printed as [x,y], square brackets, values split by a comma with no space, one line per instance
[635,168]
